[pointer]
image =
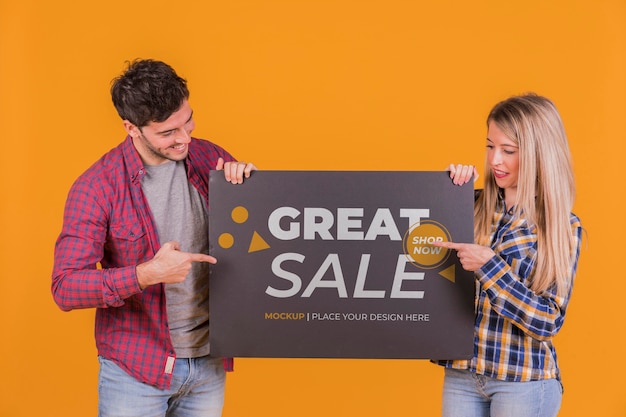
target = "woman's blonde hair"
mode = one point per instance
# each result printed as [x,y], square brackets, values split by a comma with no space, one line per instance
[545,188]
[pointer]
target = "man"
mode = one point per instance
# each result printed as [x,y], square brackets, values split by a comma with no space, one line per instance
[134,245]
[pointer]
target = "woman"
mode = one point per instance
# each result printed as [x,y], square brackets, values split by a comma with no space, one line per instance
[525,256]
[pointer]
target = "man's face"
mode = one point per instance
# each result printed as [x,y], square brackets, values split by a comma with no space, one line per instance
[159,142]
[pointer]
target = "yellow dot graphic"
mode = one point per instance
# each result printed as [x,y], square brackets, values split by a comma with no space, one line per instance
[239,214]
[418,244]
[226,240]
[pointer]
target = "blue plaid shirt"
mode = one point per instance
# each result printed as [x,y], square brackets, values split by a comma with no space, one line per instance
[514,328]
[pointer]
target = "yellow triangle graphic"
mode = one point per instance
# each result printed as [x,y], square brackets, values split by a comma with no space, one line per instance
[449,273]
[257,243]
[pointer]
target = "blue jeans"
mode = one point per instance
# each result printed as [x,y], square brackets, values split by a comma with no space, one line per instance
[197,390]
[466,394]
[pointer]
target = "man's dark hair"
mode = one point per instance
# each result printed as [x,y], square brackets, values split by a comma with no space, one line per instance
[148,91]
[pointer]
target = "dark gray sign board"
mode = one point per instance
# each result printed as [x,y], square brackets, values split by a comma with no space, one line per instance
[339,264]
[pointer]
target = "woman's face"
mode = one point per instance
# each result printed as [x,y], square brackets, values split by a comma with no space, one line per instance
[503,159]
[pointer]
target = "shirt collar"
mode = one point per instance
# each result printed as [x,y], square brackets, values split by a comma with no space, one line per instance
[134,165]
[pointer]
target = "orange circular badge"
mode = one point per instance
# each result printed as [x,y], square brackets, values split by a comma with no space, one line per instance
[418,242]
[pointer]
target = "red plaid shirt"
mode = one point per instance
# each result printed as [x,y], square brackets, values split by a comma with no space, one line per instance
[107,221]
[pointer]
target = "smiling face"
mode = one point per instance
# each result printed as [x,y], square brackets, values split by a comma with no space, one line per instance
[503,160]
[159,142]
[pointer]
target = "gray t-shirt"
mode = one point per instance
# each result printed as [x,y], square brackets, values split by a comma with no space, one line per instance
[181,215]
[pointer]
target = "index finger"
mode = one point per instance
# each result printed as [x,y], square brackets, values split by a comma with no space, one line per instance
[201,257]
[448,245]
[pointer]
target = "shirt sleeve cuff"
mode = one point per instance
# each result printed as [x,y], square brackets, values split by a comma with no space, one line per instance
[122,284]
[493,273]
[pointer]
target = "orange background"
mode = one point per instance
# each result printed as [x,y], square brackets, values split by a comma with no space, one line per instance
[314,85]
